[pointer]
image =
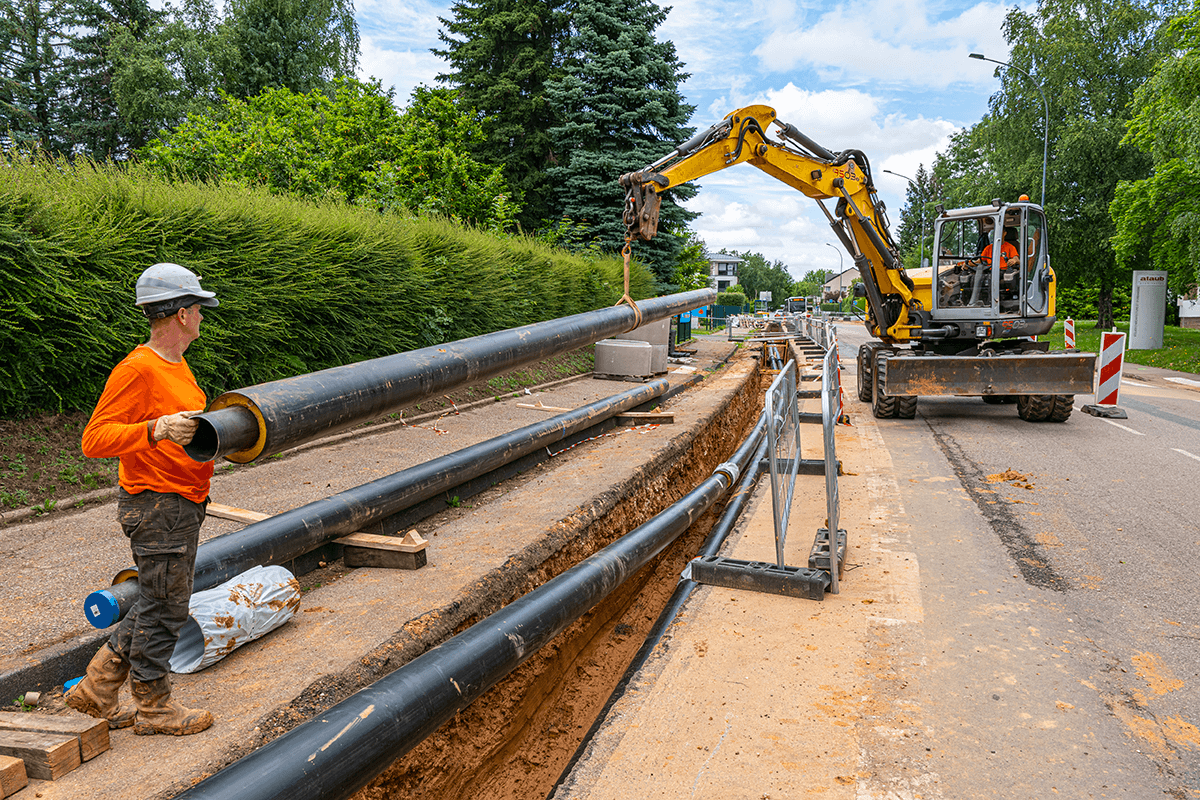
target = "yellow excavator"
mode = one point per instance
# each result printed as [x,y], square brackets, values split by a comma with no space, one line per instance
[963,325]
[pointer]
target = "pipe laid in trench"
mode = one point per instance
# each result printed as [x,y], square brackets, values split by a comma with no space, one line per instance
[286,536]
[683,590]
[271,417]
[337,753]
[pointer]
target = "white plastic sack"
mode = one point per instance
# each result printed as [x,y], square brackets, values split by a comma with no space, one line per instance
[240,610]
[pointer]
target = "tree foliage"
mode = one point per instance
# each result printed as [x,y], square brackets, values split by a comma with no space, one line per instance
[755,274]
[353,146]
[1158,217]
[502,53]
[618,108]
[300,45]
[30,99]
[1088,57]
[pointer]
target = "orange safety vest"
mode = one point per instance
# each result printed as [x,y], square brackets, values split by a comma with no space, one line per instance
[145,386]
[1007,251]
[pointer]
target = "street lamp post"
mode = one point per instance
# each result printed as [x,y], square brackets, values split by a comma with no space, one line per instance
[1045,119]
[924,200]
[840,270]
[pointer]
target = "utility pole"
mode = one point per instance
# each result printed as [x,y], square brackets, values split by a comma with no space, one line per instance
[1045,119]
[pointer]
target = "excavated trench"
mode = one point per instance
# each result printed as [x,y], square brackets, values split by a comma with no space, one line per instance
[515,741]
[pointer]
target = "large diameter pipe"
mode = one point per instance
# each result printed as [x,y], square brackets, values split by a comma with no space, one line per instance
[279,539]
[272,417]
[334,755]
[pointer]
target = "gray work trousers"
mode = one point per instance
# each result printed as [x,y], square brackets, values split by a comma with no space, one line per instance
[163,531]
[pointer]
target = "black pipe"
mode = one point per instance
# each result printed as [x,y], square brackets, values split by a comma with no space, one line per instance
[683,590]
[289,535]
[271,417]
[336,754]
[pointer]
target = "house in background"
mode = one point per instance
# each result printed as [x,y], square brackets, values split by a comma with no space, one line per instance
[722,270]
[838,285]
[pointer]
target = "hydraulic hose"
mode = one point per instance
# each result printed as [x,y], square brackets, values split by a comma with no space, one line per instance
[337,753]
[271,417]
[279,539]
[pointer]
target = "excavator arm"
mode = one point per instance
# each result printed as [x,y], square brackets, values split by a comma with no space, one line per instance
[858,218]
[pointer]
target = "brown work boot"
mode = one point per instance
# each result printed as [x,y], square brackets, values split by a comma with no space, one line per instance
[158,713]
[96,694]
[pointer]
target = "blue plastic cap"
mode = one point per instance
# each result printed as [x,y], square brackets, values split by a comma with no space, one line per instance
[101,609]
[67,686]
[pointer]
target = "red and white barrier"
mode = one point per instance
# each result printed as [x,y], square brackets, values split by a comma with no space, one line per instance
[1069,334]
[1112,361]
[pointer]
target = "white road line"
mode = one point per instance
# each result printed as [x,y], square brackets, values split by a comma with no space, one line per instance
[1186,453]
[1184,381]
[1122,427]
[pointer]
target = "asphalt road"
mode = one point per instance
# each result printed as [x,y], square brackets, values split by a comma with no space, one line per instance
[1058,650]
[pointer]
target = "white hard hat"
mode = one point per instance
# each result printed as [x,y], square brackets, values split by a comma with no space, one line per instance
[166,281]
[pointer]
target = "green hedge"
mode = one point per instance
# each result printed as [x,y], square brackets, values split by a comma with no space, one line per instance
[302,287]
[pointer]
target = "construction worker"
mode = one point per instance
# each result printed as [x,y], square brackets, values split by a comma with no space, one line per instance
[143,417]
[1008,251]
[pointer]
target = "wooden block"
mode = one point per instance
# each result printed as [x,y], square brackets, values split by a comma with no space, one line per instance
[236,514]
[47,756]
[389,552]
[12,776]
[91,732]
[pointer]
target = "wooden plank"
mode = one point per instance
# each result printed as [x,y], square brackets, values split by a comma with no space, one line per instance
[12,776]
[408,544]
[539,407]
[47,756]
[233,513]
[91,732]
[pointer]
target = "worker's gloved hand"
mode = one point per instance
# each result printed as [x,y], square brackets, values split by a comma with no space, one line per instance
[179,428]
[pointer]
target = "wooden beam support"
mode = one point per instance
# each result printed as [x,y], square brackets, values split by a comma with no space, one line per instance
[12,776]
[92,733]
[47,756]
[389,552]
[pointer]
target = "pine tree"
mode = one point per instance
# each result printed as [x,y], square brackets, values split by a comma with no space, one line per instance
[503,52]
[93,124]
[286,44]
[30,32]
[620,109]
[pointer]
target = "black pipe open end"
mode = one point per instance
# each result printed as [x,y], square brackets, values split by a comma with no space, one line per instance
[223,432]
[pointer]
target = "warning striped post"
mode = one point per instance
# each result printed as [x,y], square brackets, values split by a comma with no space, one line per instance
[1112,360]
[1069,334]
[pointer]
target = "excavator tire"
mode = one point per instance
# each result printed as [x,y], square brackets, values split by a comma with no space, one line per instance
[1035,407]
[906,407]
[1063,404]
[866,359]
[882,406]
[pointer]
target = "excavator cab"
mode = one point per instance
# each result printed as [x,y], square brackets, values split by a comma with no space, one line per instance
[991,266]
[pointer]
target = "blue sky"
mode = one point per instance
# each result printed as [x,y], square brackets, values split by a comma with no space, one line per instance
[888,77]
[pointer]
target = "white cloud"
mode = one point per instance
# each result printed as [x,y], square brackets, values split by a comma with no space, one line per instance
[884,41]
[402,70]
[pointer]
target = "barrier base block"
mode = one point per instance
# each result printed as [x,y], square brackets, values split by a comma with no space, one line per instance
[819,557]
[759,576]
[1108,412]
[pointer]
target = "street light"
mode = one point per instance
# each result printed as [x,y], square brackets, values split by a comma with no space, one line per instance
[840,270]
[924,200]
[1045,119]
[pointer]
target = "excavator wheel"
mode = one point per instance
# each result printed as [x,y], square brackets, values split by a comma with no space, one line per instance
[882,406]
[1035,407]
[1063,404]
[866,358]
[906,407]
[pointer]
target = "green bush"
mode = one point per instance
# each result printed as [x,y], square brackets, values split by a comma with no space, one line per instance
[302,286]
[731,299]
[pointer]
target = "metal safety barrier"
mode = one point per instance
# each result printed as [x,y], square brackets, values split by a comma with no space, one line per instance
[783,449]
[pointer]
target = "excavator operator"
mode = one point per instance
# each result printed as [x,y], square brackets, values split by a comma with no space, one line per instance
[1008,249]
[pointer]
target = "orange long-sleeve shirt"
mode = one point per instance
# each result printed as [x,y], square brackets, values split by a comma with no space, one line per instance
[142,387]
